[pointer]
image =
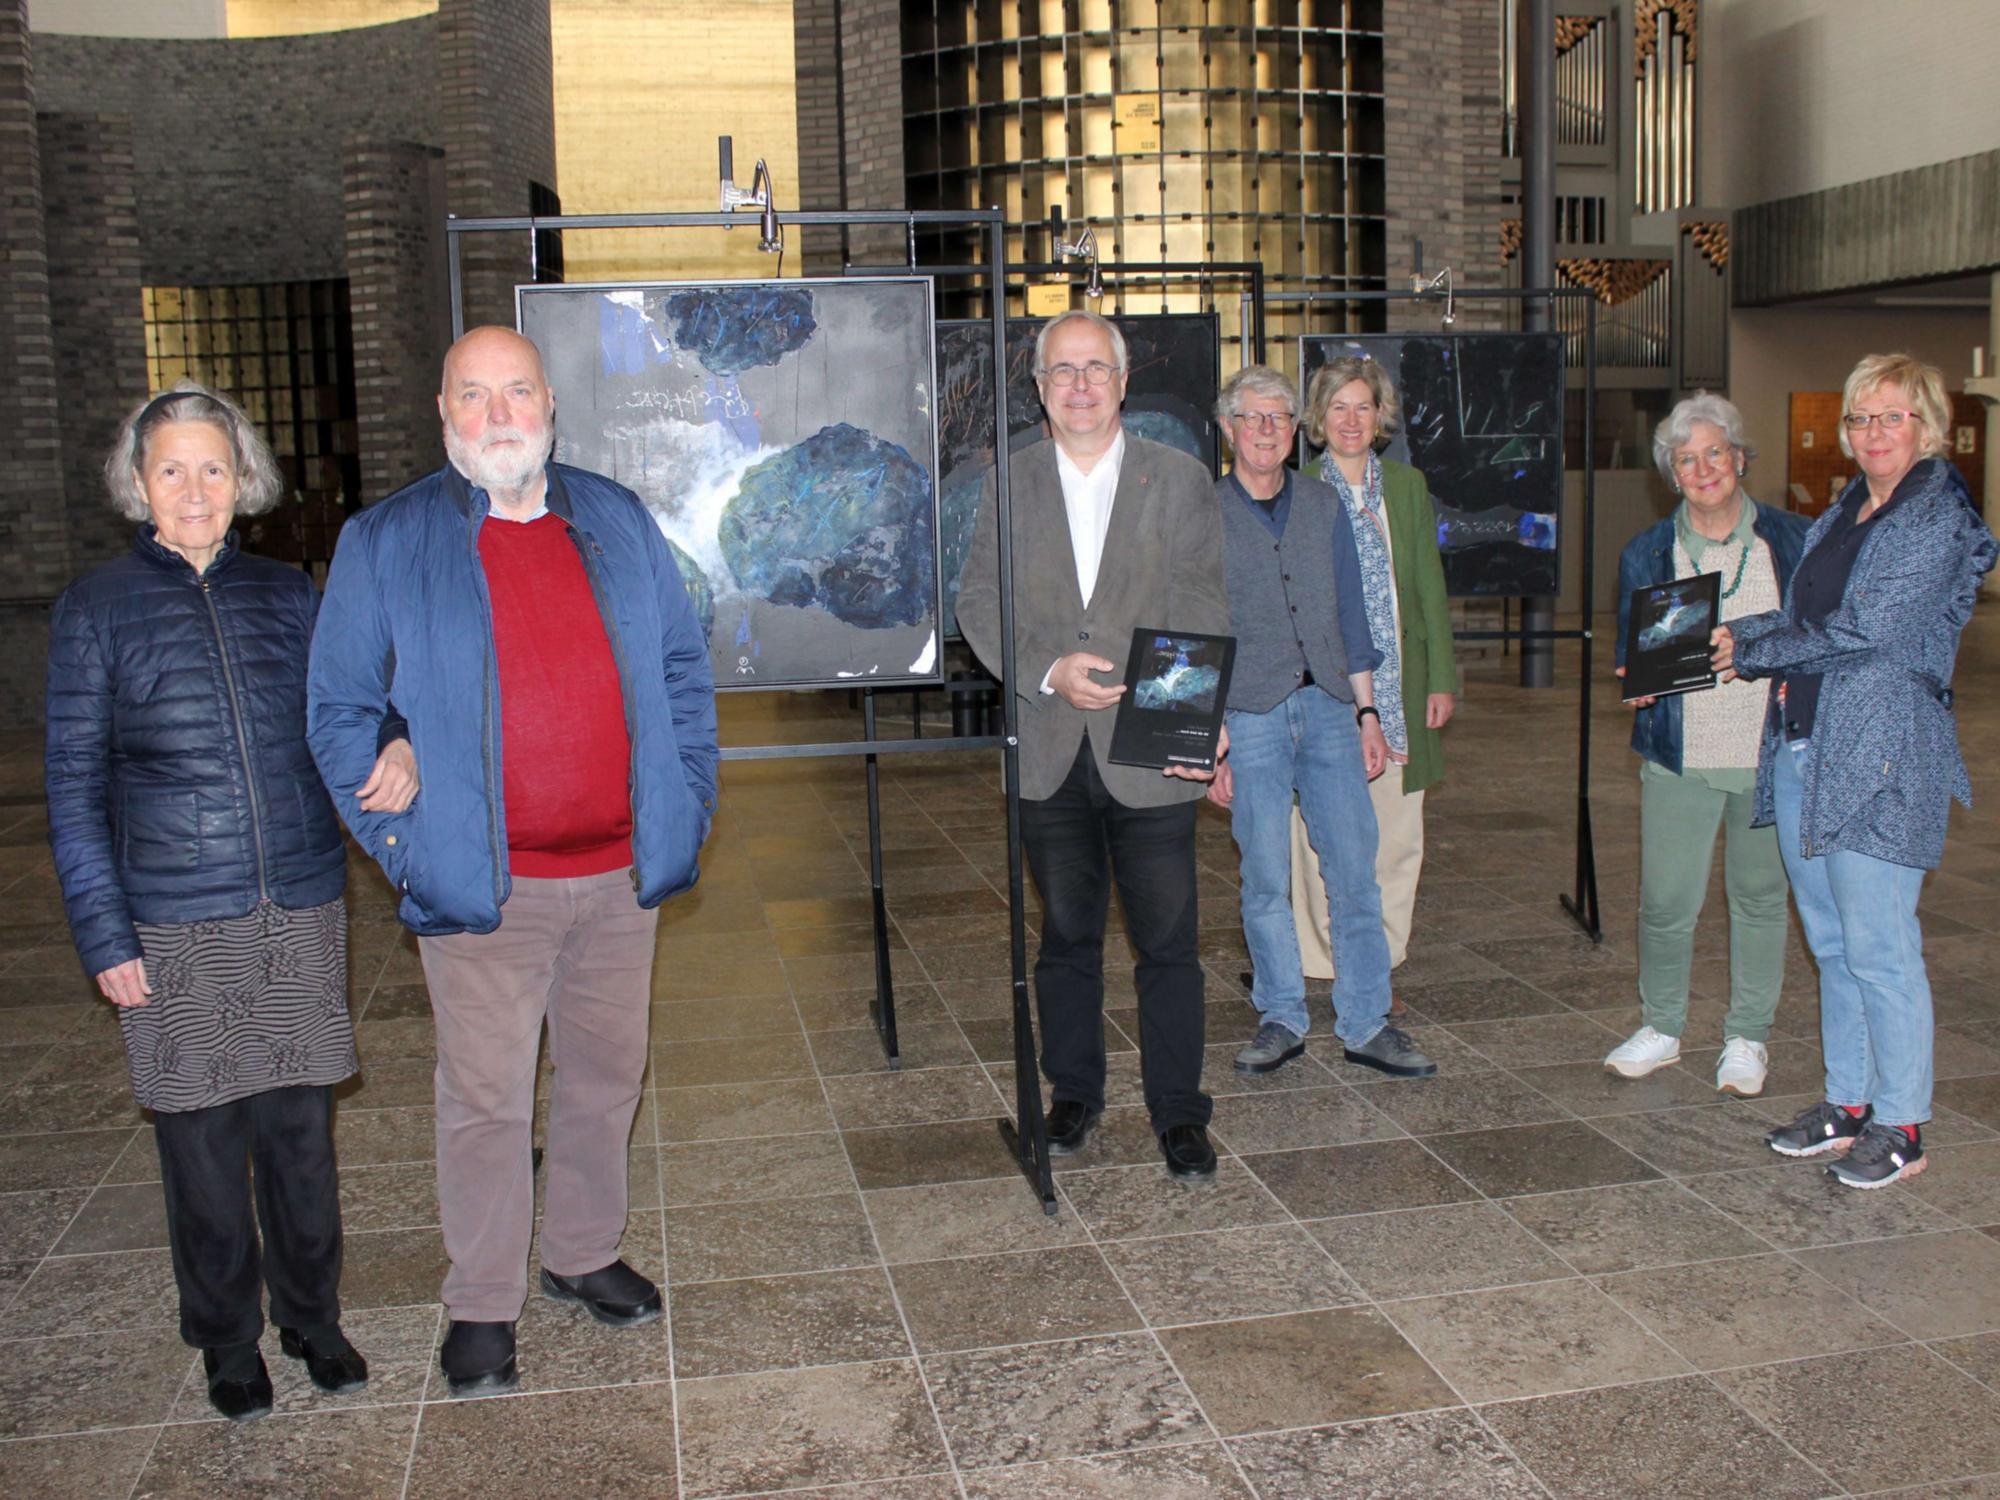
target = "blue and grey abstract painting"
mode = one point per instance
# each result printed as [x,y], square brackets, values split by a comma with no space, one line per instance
[783,435]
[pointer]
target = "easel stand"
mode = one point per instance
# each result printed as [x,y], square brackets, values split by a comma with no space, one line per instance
[1027,1134]
[1580,904]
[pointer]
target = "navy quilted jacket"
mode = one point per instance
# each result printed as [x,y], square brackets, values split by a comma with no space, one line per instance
[179,783]
[1885,762]
[407,609]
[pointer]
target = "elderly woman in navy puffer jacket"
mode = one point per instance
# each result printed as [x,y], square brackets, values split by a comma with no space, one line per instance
[202,870]
[1860,759]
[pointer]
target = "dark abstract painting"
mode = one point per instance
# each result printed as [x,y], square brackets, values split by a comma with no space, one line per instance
[1482,421]
[1169,397]
[782,434]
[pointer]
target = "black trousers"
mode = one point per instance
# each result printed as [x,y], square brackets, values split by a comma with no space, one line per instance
[207,1158]
[1078,842]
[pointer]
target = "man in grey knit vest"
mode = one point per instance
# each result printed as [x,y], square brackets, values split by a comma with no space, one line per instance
[1302,723]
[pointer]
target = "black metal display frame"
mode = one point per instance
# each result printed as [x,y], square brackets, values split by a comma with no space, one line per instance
[1026,1135]
[1580,904]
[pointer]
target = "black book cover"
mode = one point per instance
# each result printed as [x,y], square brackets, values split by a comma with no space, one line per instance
[1175,687]
[1666,636]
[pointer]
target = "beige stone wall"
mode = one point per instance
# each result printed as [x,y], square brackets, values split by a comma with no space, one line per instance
[294,17]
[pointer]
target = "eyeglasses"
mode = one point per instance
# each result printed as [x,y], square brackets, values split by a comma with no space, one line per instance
[1858,421]
[1714,458]
[1264,421]
[1097,372]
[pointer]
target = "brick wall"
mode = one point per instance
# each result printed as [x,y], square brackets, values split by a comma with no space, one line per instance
[871,63]
[95,311]
[496,94]
[32,533]
[816,54]
[397,305]
[237,143]
[1441,142]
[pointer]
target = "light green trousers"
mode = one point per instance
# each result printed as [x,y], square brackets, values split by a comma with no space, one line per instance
[1678,819]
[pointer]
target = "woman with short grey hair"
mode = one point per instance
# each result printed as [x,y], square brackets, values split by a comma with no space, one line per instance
[1698,756]
[201,870]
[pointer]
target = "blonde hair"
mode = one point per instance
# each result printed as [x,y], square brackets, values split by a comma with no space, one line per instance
[1336,373]
[1922,385]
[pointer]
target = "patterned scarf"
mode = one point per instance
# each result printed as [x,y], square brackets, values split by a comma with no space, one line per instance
[1379,590]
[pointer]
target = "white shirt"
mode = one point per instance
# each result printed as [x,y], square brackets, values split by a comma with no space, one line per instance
[1087,500]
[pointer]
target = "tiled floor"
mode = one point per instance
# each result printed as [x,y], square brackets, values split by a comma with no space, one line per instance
[1521,1278]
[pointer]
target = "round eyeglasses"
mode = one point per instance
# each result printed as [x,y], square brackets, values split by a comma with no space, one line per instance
[1097,372]
[1264,421]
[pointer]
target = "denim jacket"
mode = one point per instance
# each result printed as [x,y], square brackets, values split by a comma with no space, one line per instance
[1649,559]
[1885,762]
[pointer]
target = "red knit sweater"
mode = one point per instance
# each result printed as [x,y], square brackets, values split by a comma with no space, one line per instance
[566,752]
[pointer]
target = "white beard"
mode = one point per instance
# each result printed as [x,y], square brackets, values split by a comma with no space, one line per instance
[507,471]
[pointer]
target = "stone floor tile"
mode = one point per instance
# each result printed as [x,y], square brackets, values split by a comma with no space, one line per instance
[1302,1370]
[69,1159]
[1187,1471]
[555,1446]
[1688,1141]
[781,1166]
[1539,1159]
[1963,1181]
[727,1241]
[1476,1101]
[345,1455]
[75,1468]
[1327,1181]
[738,1059]
[32,1222]
[79,1382]
[1797,1205]
[1233,1273]
[1429,1453]
[1417,1252]
[1453,1002]
[950,1219]
[781,1322]
[909,1155]
[1131,1202]
[717,1112]
[392,1267]
[1588,1090]
[95,1294]
[1532,1340]
[1978,1356]
[1043,1401]
[1025,1297]
[1624,1227]
[914,1097]
[1531,1041]
[787,1429]
[1932,1286]
[1746,1312]
[1667,1437]
[919,1044]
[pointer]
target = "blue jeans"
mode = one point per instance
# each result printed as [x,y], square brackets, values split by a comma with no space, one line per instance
[1309,743]
[1860,917]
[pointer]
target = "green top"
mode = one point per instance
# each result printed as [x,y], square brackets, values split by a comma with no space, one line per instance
[1423,613]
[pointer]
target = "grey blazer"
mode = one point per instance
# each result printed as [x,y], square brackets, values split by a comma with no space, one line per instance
[1162,566]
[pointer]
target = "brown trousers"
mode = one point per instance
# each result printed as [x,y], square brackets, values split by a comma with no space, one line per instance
[580,954]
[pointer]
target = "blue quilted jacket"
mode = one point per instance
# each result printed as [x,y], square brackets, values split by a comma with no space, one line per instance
[407,612]
[179,783]
[1885,762]
[1649,559]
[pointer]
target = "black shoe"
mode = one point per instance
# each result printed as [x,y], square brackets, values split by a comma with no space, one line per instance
[238,1384]
[614,1294]
[1824,1127]
[1187,1151]
[478,1358]
[334,1364]
[1392,1051]
[1070,1125]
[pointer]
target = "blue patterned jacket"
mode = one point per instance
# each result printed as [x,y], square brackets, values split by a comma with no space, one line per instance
[1885,762]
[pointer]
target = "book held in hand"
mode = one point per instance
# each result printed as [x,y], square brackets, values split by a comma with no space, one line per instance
[1175,687]
[1666,636]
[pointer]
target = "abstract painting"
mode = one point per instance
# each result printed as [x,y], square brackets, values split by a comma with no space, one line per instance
[1172,373]
[1482,421]
[782,435]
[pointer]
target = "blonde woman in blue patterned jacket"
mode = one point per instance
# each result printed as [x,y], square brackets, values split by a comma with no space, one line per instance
[1860,759]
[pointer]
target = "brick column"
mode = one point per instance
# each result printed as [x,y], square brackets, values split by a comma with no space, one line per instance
[871,64]
[96,310]
[816,54]
[398,306]
[496,96]
[33,534]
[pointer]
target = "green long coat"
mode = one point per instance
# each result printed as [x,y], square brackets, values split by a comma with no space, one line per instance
[1424,644]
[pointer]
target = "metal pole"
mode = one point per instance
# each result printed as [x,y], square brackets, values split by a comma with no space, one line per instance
[883,1010]
[1538,267]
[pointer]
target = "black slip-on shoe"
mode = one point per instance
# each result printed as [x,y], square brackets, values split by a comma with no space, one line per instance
[1070,1125]
[478,1358]
[332,1363]
[239,1386]
[1187,1151]
[614,1294]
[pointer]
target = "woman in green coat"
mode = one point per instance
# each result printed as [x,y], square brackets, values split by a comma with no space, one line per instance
[1351,410]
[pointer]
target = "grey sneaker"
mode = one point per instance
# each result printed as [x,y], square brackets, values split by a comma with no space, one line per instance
[1272,1047]
[1391,1051]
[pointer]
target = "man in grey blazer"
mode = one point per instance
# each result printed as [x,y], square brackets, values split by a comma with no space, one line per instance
[1110,533]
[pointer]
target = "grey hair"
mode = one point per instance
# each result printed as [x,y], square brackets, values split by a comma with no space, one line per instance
[1078,315]
[1336,373]
[1255,380]
[258,478]
[1702,406]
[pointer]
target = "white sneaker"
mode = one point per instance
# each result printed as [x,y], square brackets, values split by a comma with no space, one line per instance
[1741,1071]
[1642,1052]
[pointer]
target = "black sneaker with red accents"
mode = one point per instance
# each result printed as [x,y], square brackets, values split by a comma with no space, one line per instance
[1884,1154]
[1824,1127]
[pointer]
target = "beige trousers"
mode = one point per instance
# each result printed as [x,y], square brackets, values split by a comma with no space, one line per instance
[1399,860]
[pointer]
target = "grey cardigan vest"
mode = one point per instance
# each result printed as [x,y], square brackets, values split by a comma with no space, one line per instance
[1282,599]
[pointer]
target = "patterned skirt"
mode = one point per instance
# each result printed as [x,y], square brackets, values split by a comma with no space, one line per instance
[241,1005]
